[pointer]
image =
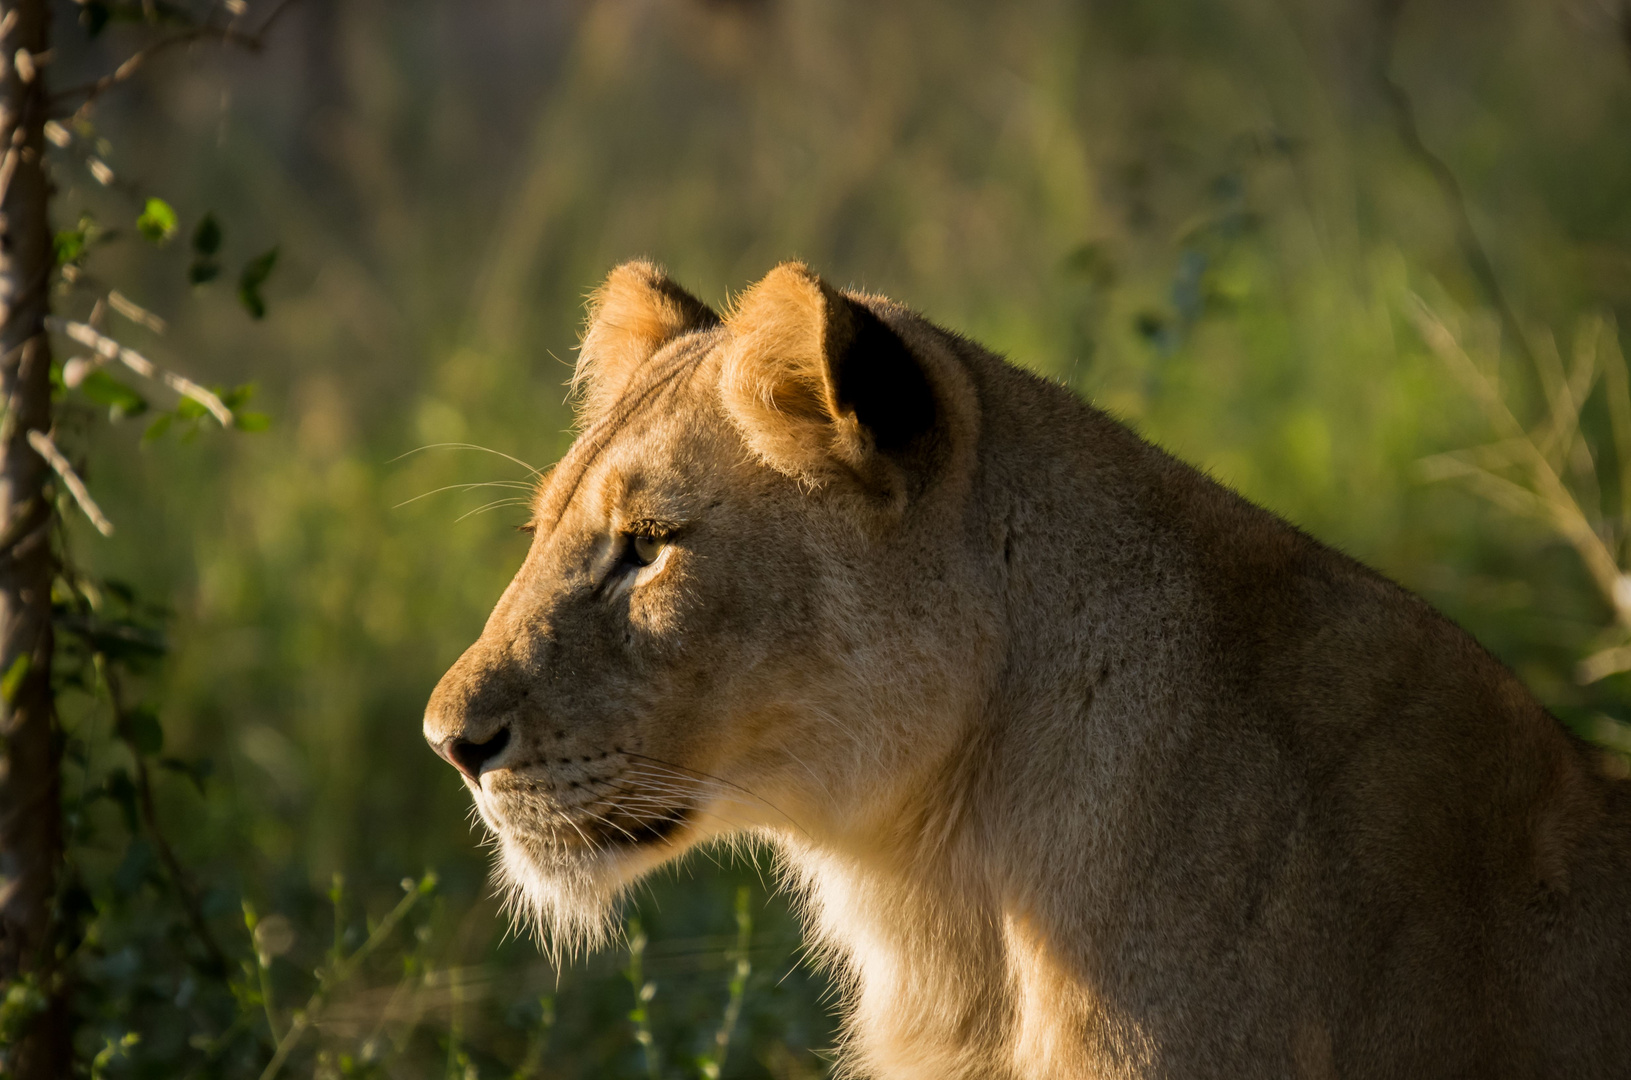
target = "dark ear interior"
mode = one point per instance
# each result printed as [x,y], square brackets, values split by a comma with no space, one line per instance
[877,379]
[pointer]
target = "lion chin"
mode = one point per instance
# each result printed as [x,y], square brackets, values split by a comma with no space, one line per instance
[563,884]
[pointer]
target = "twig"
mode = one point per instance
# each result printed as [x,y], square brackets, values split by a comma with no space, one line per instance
[1600,665]
[1618,384]
[1548,488]
[644,991]
[109,349]
[254,43]
[42,444]
[1409,132]
[150,818]
[713,1062]
[133,311]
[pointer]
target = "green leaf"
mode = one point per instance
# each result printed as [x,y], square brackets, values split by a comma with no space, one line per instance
[12,681]
[196,771]
[142,731]
[254,275]
[158,221]
[203,271]
[120,399]
[161,424]
[237,397]
[120,640]
[23,1001]
[207,236]
[249,420]
[69,245]
[122,790]
[190,409]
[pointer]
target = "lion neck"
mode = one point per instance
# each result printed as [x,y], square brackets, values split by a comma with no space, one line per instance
[945,924]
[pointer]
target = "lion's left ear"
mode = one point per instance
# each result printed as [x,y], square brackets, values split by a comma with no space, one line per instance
[815,380]
[637,311]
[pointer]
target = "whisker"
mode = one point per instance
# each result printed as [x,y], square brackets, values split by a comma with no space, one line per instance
[465,446]
[604,820]
[493,506]
[520,484]
[641,799]
[719,780]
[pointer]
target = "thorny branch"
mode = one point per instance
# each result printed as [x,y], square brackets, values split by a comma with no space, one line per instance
[224,34]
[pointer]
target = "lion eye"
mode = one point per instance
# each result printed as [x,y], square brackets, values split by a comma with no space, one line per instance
[644,549]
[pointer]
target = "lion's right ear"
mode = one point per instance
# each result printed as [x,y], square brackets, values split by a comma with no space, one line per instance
[634,313]
[820,386]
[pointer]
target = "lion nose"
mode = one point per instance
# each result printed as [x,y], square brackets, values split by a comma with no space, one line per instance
[469,757]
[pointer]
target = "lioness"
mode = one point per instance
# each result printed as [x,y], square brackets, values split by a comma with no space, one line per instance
[1084,766]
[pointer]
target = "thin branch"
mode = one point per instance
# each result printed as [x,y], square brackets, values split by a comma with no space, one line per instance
[1600,665]
[225,35]
[47,449]
[1511,497]
[1455,200]
[1617,381]
[109,349]
[1546,486]
[150,819]
[133,311]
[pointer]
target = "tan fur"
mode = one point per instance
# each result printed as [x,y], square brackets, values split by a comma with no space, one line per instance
[630,315]
[1082,765]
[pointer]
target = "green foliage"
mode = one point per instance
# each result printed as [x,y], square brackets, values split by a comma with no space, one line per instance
[120,399]
[206,245]
[157,221]
[72,245]
[254,275]
[1193,213]
[24,1000]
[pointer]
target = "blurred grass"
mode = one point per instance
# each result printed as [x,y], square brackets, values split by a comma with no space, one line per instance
[1200,215]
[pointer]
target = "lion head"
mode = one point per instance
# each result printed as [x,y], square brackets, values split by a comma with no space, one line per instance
[755,603]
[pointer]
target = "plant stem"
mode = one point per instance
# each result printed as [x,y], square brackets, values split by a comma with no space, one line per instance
[333,977]
[714,1062]
[644,991]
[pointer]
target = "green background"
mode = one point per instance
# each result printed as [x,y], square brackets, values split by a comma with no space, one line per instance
[1202,215]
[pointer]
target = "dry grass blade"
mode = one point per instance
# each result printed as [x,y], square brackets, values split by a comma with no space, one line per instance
[1617,383]
[1544,494]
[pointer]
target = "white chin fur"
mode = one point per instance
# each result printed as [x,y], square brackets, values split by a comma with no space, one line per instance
[565,899]
[568,897]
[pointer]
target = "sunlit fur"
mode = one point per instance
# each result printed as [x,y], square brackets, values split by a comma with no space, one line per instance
[1079,764]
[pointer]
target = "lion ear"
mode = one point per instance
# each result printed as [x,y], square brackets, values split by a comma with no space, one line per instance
[634,313]
[815,380]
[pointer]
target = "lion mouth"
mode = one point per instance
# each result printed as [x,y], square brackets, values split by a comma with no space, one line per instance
[532,810]
[655,830]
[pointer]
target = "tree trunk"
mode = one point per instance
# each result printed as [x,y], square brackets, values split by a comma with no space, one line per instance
[30,804]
